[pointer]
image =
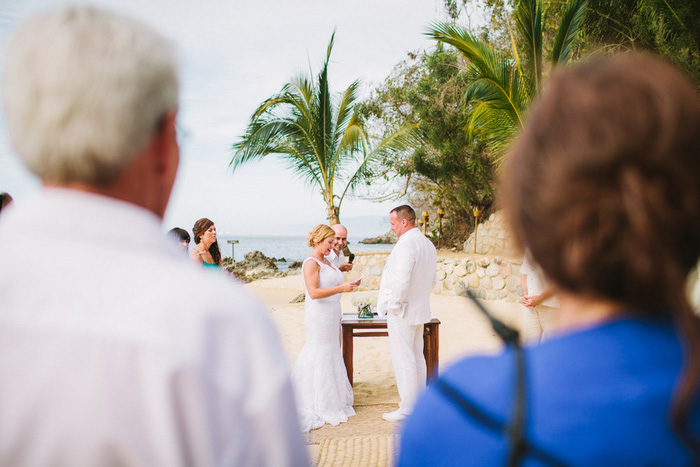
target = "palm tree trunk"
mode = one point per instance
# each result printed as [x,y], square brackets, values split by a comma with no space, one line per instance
[333,212]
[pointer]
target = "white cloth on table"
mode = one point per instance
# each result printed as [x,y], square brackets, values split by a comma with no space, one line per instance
[408,279]
[320,380]
[116,350]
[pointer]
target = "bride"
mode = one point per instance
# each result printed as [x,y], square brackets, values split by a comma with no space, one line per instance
[323,392]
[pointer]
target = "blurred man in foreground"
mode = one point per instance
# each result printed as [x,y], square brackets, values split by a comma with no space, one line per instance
[114,350]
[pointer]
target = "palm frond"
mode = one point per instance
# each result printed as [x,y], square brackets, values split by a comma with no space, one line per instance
[528,20]
[260,140]
[479,54]
[568,28]
[346,108]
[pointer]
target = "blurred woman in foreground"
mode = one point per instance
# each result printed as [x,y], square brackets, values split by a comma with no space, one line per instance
[206,250]
[603,188]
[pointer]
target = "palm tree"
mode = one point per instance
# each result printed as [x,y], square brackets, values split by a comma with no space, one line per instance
[320,135]
[502,87]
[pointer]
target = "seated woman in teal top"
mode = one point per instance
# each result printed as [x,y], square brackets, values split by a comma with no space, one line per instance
[206,251]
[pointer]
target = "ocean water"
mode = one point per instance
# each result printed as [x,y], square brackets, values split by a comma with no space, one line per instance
[289,248]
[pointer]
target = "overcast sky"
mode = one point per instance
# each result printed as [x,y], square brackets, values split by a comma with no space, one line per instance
[233,55]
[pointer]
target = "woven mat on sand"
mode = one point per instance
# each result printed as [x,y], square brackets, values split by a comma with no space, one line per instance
[357,450]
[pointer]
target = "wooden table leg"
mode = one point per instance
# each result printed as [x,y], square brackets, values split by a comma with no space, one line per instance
[430,349]
[347,351]
[435,346]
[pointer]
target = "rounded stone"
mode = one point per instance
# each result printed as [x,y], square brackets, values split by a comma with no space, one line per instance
[460,288]
[493,233]
[449,267]
[483,262]
[372,261]
[470,266]
[446,285]
[492,270]
[490,295]
[460,270]
[473,281]
[504,269]
[513,283]
[480,292]
[502,294]
[481,272]
[486,282]
[438,288]
[452,279]
[441,275]
[376,271]
[498,283]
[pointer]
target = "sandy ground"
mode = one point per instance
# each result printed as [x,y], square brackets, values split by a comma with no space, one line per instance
[463,331]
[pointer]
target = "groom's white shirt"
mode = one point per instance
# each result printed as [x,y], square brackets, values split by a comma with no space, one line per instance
[408,278]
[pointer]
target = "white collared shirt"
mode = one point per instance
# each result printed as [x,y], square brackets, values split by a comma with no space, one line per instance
[116,350]
[336,259]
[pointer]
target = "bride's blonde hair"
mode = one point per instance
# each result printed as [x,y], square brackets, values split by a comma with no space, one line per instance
[319,234]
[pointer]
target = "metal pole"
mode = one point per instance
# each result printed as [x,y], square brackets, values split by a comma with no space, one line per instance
[232,243]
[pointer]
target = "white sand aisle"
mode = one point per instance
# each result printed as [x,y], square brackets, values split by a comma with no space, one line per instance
[463,331]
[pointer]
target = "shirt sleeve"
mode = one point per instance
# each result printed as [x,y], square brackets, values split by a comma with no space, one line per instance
[277,434]
[253,373]
[277,437]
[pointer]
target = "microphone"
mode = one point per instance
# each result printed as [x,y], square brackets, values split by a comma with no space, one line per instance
[351,257]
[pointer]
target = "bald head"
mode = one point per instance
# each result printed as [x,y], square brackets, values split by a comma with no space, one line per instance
[341,237]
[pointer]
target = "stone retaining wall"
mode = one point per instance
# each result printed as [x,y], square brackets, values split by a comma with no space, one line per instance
[492,237]
[490,277]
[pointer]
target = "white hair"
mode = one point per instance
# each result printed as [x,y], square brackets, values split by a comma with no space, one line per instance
[84,91]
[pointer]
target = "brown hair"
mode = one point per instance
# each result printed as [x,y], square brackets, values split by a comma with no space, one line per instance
[603,189]
[319,234]
[405,212]
[198,230]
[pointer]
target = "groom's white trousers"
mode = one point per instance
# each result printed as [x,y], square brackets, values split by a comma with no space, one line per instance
[406,345]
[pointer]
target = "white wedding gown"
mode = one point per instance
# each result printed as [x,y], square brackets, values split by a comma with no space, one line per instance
[321,385]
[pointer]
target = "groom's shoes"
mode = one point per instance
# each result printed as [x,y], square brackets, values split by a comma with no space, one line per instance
[394,416]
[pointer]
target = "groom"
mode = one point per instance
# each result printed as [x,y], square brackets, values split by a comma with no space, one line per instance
[404,297]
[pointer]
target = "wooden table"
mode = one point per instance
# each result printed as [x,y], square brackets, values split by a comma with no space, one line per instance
[352,327]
